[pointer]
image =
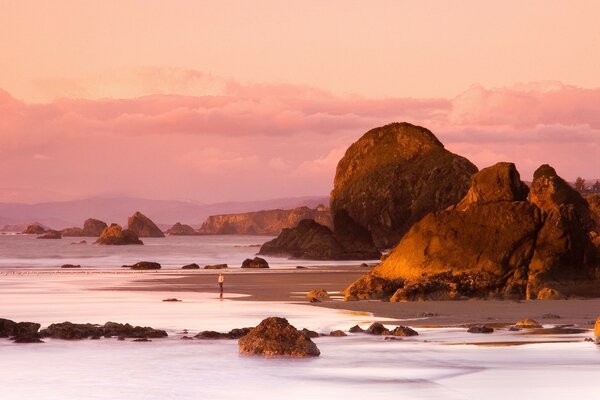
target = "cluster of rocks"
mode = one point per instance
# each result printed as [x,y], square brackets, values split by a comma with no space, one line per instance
[28,332]
[115,235]
[91,228]
[502,240]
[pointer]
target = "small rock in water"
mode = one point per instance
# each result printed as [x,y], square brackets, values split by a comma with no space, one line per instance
[145,265]
[171,299]
[338,333]
[391,338]
[256,262]
[377,328]
[275,336]
[216,266]
[404,331]
[480,329]
[70,266]
[356,329]
[314,300]
[142,340]
[527,324]
[211,335]
[187,338]
[317,294]
[191,266]
[309,333]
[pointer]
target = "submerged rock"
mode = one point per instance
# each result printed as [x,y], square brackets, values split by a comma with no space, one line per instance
[393,176]
[377,328]
[256,262]
[143,226]
[527,324]
[115,235]
[275,336]
[69,266]
[403,331]
[70,331]
[480,329]
[145,265]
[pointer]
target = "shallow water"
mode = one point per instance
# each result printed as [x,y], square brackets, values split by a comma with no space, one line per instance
[358,366]
[172,252]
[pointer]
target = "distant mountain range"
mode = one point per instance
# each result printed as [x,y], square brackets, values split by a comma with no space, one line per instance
[59,215]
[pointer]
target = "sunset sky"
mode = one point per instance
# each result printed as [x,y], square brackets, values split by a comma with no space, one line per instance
[245,100]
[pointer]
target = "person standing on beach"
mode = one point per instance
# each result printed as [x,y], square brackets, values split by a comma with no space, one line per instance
[221,279]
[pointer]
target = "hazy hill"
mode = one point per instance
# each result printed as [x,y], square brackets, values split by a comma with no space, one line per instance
[59,215]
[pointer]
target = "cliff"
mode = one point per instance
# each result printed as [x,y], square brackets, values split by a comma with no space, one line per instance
[268,222]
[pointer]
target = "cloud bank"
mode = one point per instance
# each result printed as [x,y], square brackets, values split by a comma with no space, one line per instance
[258,141]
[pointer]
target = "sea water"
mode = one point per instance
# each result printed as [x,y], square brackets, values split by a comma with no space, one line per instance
[440,363]
[172,252]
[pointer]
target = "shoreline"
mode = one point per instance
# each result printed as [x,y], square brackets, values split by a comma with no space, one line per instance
[291,286]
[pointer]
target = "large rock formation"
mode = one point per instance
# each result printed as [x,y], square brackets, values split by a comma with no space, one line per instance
[492,243]
[143,226]
[180,229]
[91,228]
[310,240]
[269,222]
[393,176]
[275,336]
[115,235]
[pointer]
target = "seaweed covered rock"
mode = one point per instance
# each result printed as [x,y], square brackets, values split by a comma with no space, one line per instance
[115,235]
[394,175]
[313,241]
[275,336]
[143,226]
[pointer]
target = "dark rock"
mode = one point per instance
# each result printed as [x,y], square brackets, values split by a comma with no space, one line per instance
[191,266]
[377,328]
[309,333]
[218,266]
[20,332]
[171,299]
[115,235]
[143,226]
[314,300]
[34,229]
[211,335]
[70,331]
[75,232]
[480,329]
[256,262]
[238,333]
[310,240]
[356,329]
[145,265]
[394,175]
[129,331]
[51,234]
[564,250]
[389,338]
[80,242]
[142,340]
[93,227]
[338,333]
[364,265]
[70,266]
[187,338]
[275,336]
[403,331]
[181,230]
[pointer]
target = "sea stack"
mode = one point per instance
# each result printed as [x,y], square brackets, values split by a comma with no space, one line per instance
[143,226]
[115,235]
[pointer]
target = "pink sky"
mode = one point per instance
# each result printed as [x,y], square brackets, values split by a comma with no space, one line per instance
[213,101]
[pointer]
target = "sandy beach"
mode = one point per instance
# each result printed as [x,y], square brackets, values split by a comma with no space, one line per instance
[292,285]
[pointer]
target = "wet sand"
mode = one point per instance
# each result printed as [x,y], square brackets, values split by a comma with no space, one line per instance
[292,285]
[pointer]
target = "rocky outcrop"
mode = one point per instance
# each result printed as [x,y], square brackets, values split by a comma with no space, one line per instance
[70,331]
[91,228]
[115,235]
[34,229]
[51,234]
[268,222]
[191,266]
[317,294]
[255,262]
[180,229]
[216,266]
[393,176]
[310,240]
[275,336]
[494,242]
[20,332]
[594,204]
[144,265]
[143,226]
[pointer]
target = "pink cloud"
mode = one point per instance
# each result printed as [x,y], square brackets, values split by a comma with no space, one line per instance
[275,140]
